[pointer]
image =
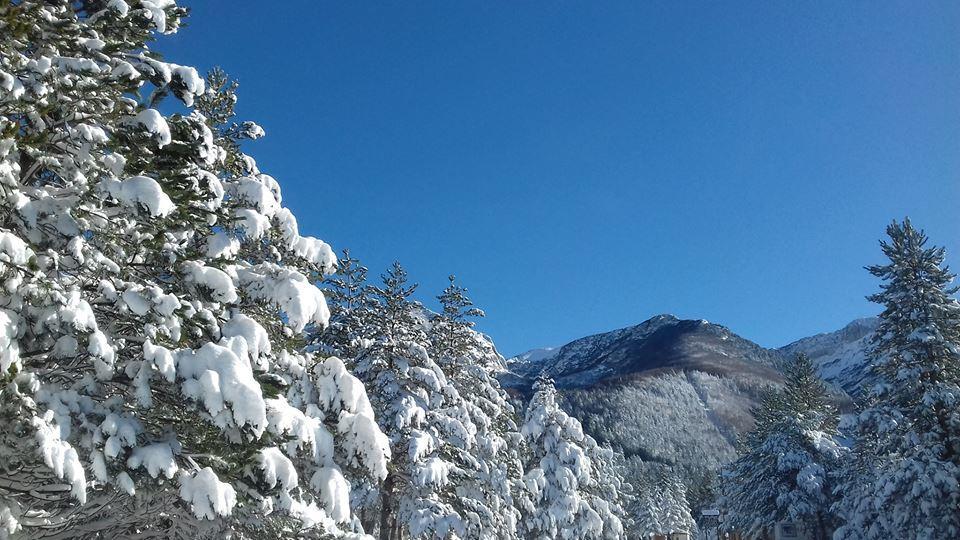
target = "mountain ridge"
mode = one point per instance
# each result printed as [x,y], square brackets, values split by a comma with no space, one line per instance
[680,392]
[840,355]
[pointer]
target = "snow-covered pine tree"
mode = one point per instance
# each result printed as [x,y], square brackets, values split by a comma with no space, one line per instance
[421,413]
[904,478]
[352,305]
[645,509]
[565,475]
[153,289]
[673,506]
[490,463]
[786,468]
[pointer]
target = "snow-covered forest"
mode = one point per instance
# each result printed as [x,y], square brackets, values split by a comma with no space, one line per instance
[178,361]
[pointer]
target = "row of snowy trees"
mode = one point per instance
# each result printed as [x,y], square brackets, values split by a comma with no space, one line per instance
[168,365]
[901,476]
[464,465]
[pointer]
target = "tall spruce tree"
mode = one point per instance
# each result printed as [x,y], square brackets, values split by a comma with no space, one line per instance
[462,442]
[646,509]
[785,471]
[153,290]
[674,509]
[567,475]
[490,481]
[903,478]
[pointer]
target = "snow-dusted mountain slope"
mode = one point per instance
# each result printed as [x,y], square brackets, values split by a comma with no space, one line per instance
[665,342]
[535,356]
[679,391]
[667,390]
[839,356]
[661,343]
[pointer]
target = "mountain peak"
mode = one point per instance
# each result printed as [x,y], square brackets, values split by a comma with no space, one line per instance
[663,342]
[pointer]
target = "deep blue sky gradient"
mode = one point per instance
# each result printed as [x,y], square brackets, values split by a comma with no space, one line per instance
[582,166]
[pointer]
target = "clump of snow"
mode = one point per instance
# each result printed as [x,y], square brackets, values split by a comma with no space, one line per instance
[137,302]
[255,192]
[155,10]
[222,245]
[304,432]
[120,6]
[125,70]
[8,522]
[289,290]
[13,250]
[140,192]
[77,312]
[253,223]
[277,468]
[9,347]
[60,456]
[310,249]
[215,375]
[126,483]
[255,336]
[252,130]
[103,353]
[154,124]
[217,281]
[121,432]
[193,84]
[207,495]
[155,458]
[315,251]
[434,471]
[334,492]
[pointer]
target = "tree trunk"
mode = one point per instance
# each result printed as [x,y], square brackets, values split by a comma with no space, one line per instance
[386,509]
[821,528]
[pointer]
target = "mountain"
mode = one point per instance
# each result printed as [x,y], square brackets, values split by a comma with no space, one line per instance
[536,355]
[839,356]
[670,391]
[661,343]
[679,392]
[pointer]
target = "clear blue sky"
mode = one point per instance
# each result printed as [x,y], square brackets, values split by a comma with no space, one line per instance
[582,166]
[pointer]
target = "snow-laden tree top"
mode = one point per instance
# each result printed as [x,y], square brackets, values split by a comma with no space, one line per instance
[573,481]
[152,290]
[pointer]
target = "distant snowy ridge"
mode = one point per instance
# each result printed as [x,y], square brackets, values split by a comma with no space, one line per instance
[535,356]
[840,357]
[661,342]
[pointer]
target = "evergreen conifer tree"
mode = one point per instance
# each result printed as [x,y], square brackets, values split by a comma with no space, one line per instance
[785,470]
[351,326]
[565,474]
[646,511]
[903,478]
[421,414]
[491,476]
[153,291]
[674,509]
